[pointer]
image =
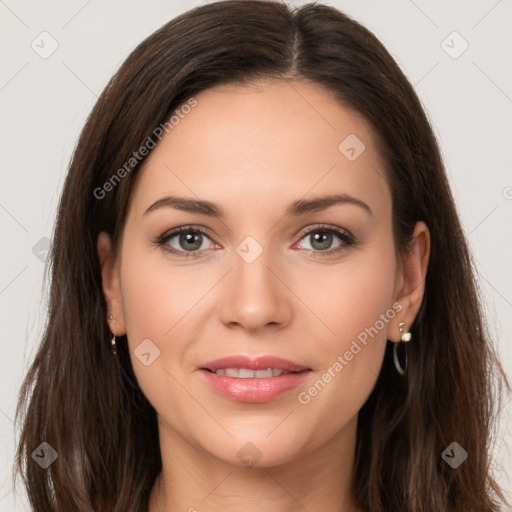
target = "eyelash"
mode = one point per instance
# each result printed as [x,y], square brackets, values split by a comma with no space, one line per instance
[343,235]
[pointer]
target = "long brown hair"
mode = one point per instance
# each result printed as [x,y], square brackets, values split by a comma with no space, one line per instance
[87,404]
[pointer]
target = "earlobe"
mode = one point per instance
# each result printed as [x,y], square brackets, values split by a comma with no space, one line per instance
[110,284]
[412,275]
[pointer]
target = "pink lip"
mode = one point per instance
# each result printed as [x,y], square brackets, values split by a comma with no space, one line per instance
[257,363]
[253,390]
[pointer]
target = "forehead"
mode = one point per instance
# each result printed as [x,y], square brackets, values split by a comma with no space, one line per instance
[277,141]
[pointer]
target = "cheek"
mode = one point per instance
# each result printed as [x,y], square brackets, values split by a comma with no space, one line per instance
[350,298]
[358,312]
[167,303]
[155,306]
[157,295]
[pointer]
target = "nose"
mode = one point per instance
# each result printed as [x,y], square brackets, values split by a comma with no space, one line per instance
[254,294]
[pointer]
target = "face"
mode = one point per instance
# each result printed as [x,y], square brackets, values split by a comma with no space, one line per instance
[275,274]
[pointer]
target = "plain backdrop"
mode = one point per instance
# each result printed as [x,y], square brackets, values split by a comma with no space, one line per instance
[464,81]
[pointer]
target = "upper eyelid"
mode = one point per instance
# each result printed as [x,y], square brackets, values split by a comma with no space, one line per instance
[327,227]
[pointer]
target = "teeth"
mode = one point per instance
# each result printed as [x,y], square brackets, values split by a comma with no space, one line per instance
[245,373]
[262,374]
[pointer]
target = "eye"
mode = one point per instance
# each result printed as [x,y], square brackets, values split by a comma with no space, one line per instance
[185,241]
[321,239]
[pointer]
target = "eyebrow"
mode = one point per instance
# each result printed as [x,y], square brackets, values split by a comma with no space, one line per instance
[295,209]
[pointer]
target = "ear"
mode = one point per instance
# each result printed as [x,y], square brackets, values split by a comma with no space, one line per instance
[111,285]
[410,279]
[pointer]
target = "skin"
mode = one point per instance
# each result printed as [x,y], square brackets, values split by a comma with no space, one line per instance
[253,151]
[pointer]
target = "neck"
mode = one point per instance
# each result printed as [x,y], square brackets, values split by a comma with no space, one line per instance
[194,481]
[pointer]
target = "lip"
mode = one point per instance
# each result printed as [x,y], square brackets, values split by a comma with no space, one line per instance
[254,363]
[253,390]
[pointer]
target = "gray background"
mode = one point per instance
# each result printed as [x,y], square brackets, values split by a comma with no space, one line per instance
[45,101]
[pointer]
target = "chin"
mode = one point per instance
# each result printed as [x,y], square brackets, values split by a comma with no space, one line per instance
[257,452]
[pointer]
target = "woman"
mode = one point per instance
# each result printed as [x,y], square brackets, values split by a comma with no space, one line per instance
[320,344]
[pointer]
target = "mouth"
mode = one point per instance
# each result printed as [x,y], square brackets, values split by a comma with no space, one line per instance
[260,379]
[241,366]
[247,373]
